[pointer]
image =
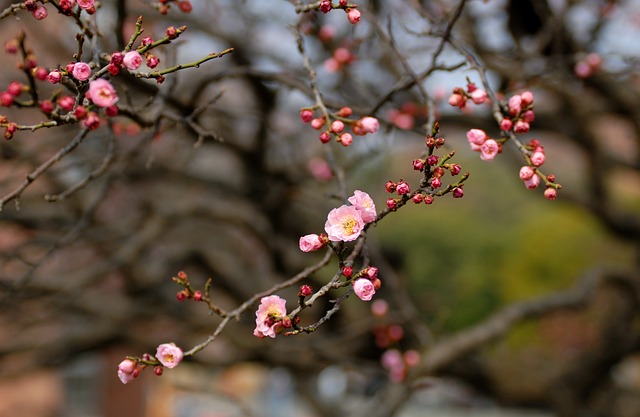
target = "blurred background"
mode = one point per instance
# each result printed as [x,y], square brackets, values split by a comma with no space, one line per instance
[497,304]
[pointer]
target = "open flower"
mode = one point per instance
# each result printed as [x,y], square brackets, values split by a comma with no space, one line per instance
[269,315]
[169,355]
[102,93]
[489,149]
[364,289]
[364,203]
[344,224]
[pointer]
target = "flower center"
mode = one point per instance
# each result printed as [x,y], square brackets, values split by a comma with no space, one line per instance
[349,225]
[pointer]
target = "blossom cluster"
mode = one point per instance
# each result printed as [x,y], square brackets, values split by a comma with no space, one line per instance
[433,168]
[167,355]
[459,97]
[344,223]
[353,14]
[335,125]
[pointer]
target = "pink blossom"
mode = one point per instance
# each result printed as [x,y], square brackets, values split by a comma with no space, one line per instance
[40,13]
[6,99]
[489,150]
[369,124]
[364,204]
[132,60]
[403,188]
[353,15]
[310,243]
[306,115]
[457,100]
[102,93]
[126,370]
[476,138]
[528,116]
[325,6]
[526,172]
[169,355]
[379,308]
[515,105]
[54,77]
[521,127]
[268,316]
[391,359]
[81,71]
[337,126]
[345,139]
[506,124]
[550,193]
[537,158]
[85,4]
[457,192]
[92,120]
[66,102]
[364,289]
[532,182]
[344,224]
[527,98]
[152,61]
[479,96]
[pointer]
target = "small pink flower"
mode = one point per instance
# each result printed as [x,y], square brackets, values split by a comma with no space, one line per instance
[457,100]
[526,172]
[457,192]
[92,120]
[6,99]
[152,61]
[528,116]
[489,150]
[126,370]
[310,243]
[521,127]
[102,93]
[306,115]
[369,124]
[85,4]
[537,158]
[364,289]
[476,137]
[345,139]
[479,96]
[506,124]
[526,98]
[550,193]
[132,60]
[66,102]
[169,355]
[532,182]
[353,15]
[81,71]
[271,311]
[40,13]
[515,105]
[325,6]
[364,204]
[54,77]
[344,224]
[337,126]
[403,188]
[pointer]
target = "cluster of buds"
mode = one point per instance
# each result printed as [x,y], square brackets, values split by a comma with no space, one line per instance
[588,65]
[167,355]
[365,283]
[434,169]
[335,125]
[187,292]
[164,6]
[531,174]
[459,97]
[479,141]
[398,363]
[353,14]
[520,113]
[341,58]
